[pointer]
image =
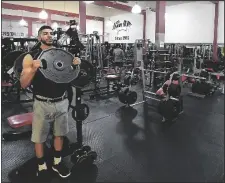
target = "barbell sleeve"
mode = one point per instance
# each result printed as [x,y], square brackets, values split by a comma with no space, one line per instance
[153,98]
[192,76]
[152,93]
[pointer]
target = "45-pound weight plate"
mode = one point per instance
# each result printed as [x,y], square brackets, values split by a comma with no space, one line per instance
[59,65]
[9,59]
[85,75]
[127,97]
[80,112]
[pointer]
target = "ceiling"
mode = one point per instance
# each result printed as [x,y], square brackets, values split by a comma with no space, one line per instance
[151,4]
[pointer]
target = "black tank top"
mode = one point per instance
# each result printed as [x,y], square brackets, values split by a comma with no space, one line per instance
[45,87]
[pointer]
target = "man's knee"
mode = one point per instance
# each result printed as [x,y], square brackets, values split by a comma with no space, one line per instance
[38,138]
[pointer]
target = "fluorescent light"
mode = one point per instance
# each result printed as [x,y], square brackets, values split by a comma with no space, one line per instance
[23,22]
[136,9]
[43,14]
[88,2]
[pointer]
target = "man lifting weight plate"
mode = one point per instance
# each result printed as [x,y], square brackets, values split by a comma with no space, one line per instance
[50,105]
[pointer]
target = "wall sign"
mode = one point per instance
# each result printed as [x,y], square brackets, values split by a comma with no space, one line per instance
[12,34]
[122,29]
[125,28]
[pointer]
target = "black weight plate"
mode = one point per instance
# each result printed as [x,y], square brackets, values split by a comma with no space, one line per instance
[9,59]
[93,155]
[167,109]
[59,65]
[131,97]
[123,95]
[86,148]
[85,76]
[80,112]
[82,159]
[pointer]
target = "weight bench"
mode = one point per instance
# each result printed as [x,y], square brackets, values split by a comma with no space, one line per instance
[20,120]
[6,84]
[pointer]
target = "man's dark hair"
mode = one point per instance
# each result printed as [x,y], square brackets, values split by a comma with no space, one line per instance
[44,27]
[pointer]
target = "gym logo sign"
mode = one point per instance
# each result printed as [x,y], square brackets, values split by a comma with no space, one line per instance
[122,28]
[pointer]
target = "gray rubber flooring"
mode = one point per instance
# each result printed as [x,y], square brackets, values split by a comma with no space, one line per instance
[134,146]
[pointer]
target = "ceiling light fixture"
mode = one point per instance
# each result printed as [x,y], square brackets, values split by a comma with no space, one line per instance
[23,22]
[43,14]
[88,2]
[136,9]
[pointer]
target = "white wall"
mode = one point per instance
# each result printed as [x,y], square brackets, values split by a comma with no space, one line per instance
[187,23]
[150,25]
[190,23]
[221,23]
[134,31]
[92,25]
[13,29]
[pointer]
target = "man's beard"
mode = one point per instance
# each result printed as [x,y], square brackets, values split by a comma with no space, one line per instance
[45,43]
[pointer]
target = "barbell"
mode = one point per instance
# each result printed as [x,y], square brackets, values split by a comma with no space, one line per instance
[169,108]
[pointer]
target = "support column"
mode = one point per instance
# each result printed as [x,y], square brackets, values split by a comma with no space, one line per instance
[49,19]
[144,31]
[160,23]
[82,17]
[144,25]
[215,38]
[29,24]
[103,30]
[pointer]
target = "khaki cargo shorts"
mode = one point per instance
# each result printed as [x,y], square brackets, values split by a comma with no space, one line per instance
[45,113]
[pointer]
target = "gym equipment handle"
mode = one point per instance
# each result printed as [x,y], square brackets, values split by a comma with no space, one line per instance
[44,65]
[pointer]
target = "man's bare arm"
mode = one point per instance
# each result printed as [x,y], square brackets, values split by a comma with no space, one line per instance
[28,71]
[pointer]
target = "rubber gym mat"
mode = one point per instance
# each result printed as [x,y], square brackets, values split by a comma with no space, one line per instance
[27,173]
[190,149]
[141,148]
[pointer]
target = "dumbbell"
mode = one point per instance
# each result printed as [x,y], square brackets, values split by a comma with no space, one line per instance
[78,156]
[84,156]
[91,155]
